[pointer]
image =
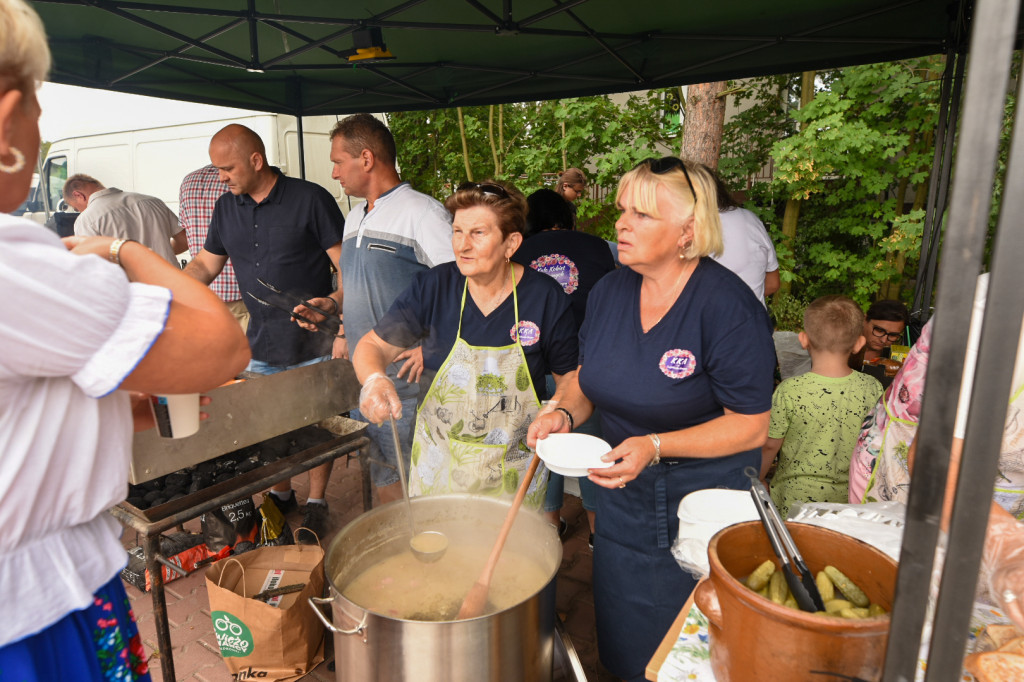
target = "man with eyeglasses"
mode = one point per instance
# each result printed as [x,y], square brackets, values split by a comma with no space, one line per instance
[886,324]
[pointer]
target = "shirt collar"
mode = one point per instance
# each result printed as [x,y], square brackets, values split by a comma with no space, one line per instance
[275,192]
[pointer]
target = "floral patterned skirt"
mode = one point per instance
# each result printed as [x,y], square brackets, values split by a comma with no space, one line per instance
[99,643]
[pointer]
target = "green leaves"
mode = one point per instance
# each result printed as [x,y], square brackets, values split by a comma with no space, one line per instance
[863,148]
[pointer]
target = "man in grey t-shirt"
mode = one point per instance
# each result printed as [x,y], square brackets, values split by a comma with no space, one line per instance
[124,215]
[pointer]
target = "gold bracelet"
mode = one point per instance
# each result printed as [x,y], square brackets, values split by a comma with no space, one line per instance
[114,255]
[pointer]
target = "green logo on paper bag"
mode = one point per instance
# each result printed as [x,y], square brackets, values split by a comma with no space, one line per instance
[233,637]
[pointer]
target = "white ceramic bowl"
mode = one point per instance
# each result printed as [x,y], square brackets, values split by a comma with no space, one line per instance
[571,454]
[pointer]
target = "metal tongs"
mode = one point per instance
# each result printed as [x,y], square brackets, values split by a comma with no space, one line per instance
[286,302]
[801,582]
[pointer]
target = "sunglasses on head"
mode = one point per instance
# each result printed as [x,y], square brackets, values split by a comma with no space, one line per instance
[666,164]
[892,337]
[485,187]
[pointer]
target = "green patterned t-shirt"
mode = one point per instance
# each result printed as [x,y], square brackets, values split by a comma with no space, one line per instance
[819,418]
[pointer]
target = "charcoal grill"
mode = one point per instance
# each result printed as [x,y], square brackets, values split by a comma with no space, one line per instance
[249,411]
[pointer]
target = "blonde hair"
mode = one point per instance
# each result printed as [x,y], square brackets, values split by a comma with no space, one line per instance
[24,54]
[833,324]
[641,185]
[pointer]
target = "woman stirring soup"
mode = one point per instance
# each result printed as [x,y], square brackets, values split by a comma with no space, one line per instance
[490,330]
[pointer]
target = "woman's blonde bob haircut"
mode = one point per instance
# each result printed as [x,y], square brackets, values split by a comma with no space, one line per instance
[24,54]
[640,185]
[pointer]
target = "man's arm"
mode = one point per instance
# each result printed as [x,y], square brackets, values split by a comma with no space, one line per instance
[334,253]
[179,242]
[771,282]
[205,266]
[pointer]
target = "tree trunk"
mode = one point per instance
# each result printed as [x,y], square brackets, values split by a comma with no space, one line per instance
[702,125]
[490,138]
[792,214]
[465,145]
[565,163]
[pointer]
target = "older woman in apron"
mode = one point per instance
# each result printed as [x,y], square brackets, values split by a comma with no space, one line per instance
[490,330]
[676,351]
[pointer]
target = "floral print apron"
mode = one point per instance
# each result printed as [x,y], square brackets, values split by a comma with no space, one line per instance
[470,434]
[889,430]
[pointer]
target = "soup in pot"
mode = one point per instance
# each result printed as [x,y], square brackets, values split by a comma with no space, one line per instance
[401,586]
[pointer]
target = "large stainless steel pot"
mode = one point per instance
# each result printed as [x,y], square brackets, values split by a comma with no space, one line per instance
[515,644]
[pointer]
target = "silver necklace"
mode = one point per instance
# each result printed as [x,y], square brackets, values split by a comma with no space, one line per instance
[673,295]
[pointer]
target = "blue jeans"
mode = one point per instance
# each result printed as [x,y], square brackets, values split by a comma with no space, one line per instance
[382,455]
[260,367]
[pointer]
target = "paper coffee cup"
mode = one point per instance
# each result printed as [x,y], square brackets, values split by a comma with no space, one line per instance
[177,416]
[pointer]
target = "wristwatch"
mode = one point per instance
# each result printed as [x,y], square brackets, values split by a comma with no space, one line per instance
[657,448]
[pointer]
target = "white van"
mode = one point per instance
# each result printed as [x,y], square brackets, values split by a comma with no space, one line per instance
[155,160]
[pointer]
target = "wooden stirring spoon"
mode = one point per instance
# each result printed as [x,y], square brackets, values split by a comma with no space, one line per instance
[476,599]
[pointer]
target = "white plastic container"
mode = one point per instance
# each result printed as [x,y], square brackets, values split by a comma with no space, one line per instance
[703,513]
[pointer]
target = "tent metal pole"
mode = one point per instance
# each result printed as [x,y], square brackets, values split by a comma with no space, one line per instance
[941,202]
[985,423]
[929,236]
[992,37]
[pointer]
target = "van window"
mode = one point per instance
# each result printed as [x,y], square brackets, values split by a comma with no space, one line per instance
[56,175]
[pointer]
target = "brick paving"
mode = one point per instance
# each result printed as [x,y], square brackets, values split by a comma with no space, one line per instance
[196,656]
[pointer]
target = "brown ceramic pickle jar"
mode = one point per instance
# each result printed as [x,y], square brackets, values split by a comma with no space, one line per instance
[753,638]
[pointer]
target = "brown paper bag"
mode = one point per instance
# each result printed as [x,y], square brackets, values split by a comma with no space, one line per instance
[263,640]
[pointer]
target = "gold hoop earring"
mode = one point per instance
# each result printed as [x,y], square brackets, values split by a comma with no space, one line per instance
[19,162]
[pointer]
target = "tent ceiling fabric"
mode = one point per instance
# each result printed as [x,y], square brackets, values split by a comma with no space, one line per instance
[291,57]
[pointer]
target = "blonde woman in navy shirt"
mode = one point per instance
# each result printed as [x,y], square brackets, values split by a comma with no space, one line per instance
[676,352]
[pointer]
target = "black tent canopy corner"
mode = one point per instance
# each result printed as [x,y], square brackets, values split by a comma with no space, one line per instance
[288,56]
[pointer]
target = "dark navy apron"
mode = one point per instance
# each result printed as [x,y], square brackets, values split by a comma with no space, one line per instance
[639,588]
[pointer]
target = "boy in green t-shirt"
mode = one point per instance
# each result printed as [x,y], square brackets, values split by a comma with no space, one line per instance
[816,417]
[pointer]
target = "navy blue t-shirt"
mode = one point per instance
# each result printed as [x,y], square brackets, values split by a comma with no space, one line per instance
[429,311]
[282,240]
[713,349]
[575,259]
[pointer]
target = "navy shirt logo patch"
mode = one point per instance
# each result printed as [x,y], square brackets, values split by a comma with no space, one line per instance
[529,333]
[677,364]
[561,268]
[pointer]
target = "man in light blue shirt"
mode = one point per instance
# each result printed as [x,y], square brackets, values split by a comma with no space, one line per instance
[389,238]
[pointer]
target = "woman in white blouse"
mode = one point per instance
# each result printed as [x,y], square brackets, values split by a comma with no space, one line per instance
[82,323]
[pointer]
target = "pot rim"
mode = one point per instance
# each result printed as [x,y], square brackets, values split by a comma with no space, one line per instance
[796,617]
[386,509]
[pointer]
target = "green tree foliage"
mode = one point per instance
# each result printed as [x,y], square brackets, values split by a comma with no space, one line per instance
[866,142]
[598,135]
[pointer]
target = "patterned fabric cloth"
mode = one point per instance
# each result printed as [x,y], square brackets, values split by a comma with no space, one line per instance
[818,418]
[891,427]
[199,192]
[879,471]
[99,643]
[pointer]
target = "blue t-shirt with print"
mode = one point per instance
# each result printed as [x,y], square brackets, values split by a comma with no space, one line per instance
[428,311]
[712,350]
[576,260]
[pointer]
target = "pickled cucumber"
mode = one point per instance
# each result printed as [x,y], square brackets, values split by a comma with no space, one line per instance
[846,587]
[761,575]
[837,605]
[825,587]
[777,588]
